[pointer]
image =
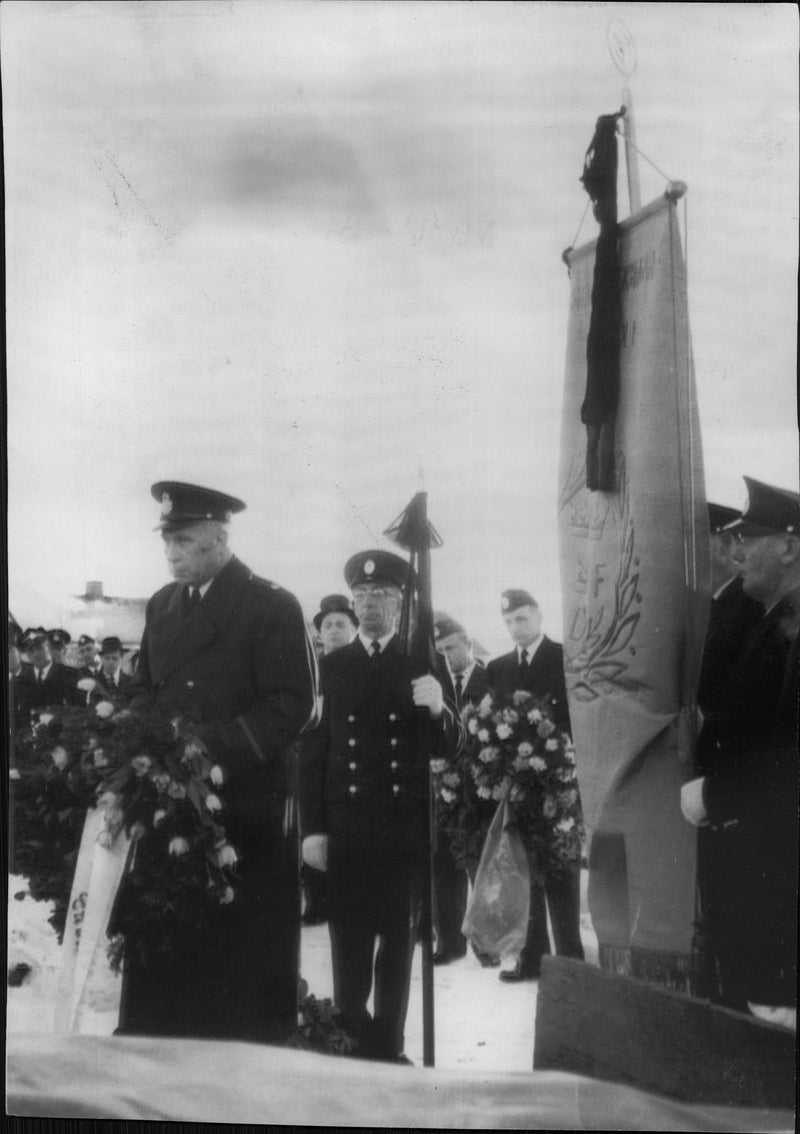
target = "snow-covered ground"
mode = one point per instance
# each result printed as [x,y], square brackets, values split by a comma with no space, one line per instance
[481,1022]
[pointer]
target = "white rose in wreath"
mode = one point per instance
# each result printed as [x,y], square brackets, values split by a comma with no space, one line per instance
[60,757]
[226,855]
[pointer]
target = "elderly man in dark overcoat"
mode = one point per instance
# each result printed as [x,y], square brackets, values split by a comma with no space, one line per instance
[229,654]
[746,799]
[363,805]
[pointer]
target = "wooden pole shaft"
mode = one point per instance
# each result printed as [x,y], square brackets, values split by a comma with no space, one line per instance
[631,156]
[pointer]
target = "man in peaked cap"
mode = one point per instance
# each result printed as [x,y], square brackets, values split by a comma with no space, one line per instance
[229,654]
[362,799]
[733,613]
[59,640]
[746,798]
[46,684]
[88,656]
[536,664]
[20,687]
[732,617]
[463,680]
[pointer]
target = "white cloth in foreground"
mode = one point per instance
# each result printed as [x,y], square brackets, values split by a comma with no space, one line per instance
[204,1081]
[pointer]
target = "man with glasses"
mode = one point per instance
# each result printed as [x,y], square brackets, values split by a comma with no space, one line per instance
[363,805]
[746,800]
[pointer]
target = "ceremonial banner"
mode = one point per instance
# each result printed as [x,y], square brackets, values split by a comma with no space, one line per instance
[635,581]
[86,984]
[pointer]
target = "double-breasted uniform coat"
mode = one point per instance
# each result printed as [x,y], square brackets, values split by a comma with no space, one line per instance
[364,786]
[241,666]
[544,678]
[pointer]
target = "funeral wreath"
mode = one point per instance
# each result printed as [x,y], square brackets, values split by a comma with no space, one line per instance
[513,747]
[149,778]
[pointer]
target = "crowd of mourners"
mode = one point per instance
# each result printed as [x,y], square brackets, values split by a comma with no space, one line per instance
[233,652]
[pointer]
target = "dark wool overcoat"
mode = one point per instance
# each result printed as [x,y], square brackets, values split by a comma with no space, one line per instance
[750,794]
[58,688]
[241,666]
[733,616]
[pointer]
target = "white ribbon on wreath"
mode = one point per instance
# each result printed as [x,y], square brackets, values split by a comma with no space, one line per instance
[86,983]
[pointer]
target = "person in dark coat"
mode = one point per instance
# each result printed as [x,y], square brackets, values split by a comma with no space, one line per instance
[336,624]
[746,799]
[463,680]
[229,652]
[88,657]
[20,685]
[732,618]
[112,681]
[363,805]
[46,684]
[59,640]
[536,664]
[733,613]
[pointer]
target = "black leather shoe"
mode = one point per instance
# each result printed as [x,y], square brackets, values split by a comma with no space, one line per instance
[518,973]
[445,958]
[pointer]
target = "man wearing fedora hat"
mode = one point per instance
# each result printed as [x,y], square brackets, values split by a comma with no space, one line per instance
[335,622]
[746,798]
[229,654]
[363,805]
[113,681]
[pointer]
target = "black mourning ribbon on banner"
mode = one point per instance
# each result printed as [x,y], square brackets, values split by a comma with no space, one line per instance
[599,409]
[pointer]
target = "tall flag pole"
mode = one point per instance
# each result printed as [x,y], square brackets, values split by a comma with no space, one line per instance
[635,572]
[413,531]
[623,53]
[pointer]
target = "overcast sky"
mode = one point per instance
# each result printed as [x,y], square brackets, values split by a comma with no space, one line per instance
[302,251]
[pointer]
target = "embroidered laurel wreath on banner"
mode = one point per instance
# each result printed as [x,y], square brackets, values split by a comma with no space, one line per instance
[513,745]
[148,777]
[601,661]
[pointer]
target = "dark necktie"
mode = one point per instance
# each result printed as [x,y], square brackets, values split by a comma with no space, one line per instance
[375,649]
[194,598]
[459,687]
[524,664]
